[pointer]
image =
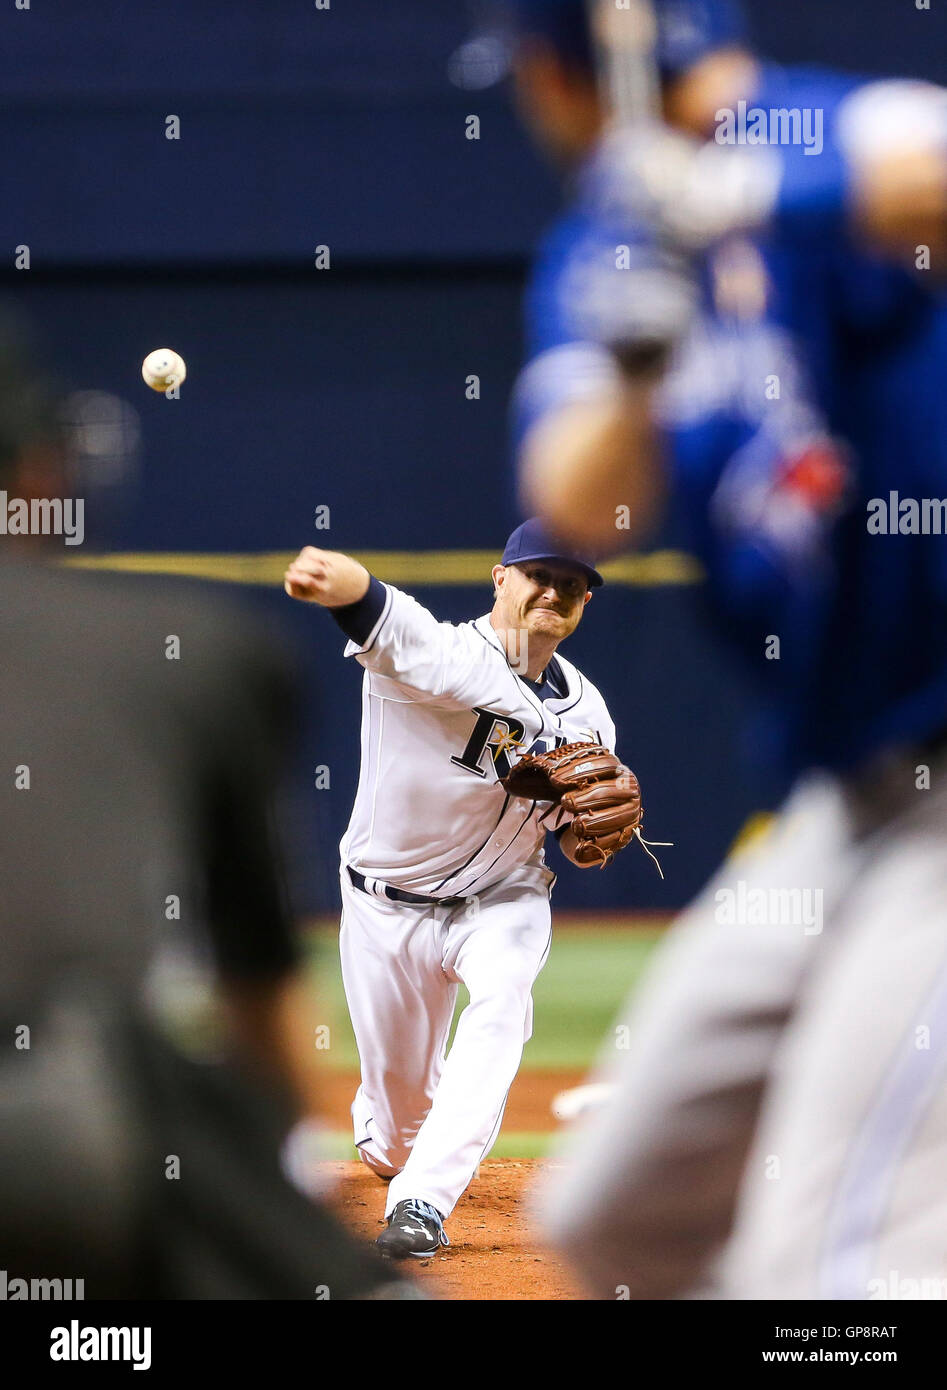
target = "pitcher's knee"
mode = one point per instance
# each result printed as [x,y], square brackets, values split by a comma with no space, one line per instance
[384,1154]
[384,1170]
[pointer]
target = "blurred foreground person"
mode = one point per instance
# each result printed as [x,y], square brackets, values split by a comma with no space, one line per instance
[750,333]
[141,737]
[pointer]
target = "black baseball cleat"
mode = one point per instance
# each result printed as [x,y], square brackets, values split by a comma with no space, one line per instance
[414,1228]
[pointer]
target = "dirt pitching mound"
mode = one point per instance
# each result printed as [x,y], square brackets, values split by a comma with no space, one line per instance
[494,1252]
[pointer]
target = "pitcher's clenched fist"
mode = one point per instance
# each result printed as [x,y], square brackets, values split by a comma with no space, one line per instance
[327,577]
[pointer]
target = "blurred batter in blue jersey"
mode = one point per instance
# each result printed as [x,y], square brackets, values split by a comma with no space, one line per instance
[740,320]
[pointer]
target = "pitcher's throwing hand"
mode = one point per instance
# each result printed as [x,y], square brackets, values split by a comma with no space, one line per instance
[326,577]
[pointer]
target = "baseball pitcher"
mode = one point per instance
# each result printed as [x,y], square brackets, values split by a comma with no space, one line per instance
[477,740]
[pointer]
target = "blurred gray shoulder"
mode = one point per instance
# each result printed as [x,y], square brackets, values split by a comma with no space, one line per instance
[141,630]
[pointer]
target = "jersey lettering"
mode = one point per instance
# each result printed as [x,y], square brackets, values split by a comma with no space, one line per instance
[501,733]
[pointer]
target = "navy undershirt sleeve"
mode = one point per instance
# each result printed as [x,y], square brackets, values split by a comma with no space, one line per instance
[357,619]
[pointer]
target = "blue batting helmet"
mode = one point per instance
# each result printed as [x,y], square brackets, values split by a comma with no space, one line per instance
[687,29]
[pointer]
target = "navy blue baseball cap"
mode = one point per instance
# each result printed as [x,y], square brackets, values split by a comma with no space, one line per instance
[687,29]
[531,541]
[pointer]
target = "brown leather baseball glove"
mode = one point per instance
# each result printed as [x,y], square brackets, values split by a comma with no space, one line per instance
[593,785]
[605,816]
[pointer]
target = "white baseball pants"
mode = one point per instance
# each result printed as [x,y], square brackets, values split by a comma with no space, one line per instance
[424,1115]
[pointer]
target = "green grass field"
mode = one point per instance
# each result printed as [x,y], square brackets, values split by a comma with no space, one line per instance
[590,973]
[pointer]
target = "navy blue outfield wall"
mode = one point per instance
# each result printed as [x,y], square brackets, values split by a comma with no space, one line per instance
[302,126]
[350,395]
[345,388]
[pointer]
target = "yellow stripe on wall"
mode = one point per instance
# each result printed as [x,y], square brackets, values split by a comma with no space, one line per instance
[418,568]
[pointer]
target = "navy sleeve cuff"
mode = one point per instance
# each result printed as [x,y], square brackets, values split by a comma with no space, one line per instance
[357,619]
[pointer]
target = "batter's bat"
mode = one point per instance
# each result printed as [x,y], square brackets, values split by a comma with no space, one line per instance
[625,40]
[624,33]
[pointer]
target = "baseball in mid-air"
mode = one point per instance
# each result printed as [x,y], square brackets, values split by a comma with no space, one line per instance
[163,369]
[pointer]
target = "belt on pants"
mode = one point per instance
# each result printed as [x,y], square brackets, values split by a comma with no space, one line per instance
[398,895]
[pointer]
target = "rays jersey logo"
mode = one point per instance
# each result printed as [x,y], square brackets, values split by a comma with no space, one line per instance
[497,740]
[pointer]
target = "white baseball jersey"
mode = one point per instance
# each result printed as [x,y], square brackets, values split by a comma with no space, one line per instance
[444,717]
